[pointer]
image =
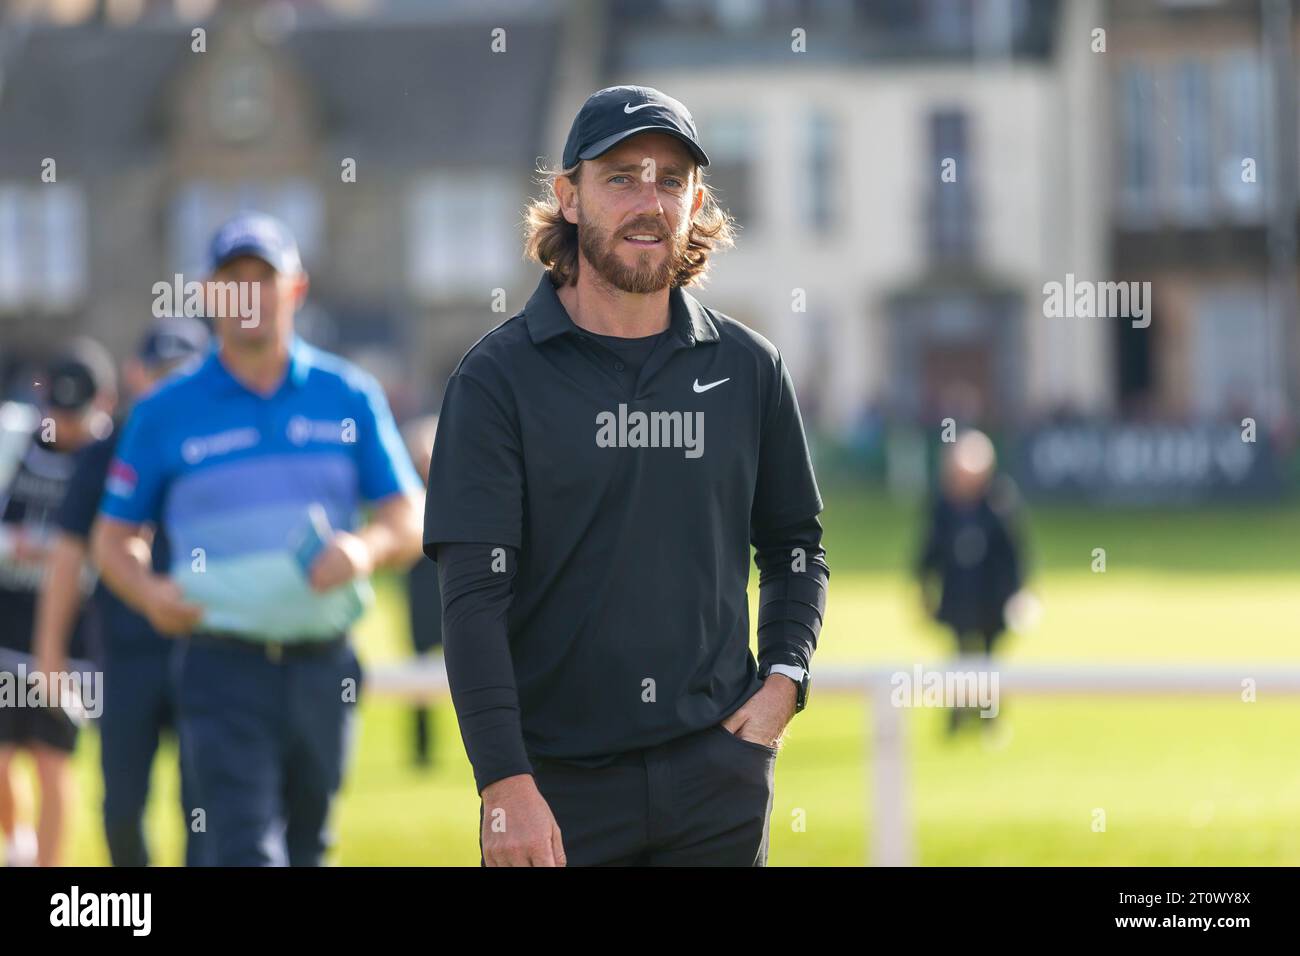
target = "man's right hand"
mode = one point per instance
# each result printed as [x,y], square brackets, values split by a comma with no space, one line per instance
[167,609]
[518,826]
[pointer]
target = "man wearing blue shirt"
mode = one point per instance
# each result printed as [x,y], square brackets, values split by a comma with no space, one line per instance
[256,466]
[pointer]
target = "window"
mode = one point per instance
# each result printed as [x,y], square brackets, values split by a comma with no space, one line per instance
[1238,353]
[12,274]
[731,145]
[200,207]
[1191,197]
[949,24]
[1242,107]
[1202,118]
[950,214]
[461,241]
[1137,189]
[822,186]
[42,246]
[738,14]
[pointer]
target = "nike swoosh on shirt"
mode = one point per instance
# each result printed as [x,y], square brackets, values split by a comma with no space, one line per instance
[705,388]
[629,108]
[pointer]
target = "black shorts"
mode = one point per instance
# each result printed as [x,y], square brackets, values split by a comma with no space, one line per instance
[24,726]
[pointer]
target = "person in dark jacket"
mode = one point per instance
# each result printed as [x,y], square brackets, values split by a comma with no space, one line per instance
[972,550]
[139,696]
[80,391]
[424,598]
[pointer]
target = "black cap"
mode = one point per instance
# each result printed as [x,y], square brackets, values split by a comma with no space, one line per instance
[613,114]
[79,373]
[171,339]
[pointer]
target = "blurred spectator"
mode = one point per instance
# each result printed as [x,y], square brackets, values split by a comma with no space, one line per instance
[80,392]
[137,689]
[424,600]
[971,551]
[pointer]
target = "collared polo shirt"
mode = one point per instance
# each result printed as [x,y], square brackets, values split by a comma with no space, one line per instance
[632,501]
[232,477]
[630,354]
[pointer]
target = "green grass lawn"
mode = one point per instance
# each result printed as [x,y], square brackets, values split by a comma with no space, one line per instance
[1181,780]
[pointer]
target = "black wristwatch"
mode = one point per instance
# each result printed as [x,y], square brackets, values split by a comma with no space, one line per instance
[801,678]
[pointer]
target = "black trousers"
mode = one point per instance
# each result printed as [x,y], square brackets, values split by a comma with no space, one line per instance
[704,799]
[974,642]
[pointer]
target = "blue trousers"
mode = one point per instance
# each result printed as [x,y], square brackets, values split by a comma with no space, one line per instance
[268,739]
[139,705]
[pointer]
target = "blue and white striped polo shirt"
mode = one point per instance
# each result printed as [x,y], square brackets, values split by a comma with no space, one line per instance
[232,477]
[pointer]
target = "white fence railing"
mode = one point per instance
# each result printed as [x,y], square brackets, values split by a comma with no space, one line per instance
[891,842]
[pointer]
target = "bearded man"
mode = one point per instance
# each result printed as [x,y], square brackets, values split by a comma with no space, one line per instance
[595,614]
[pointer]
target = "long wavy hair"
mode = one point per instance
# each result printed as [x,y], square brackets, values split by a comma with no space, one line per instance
[552,240]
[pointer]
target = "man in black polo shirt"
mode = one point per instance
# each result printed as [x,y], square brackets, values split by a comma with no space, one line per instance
[604,461]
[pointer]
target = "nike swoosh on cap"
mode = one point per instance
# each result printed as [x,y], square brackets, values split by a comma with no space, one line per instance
[705,388]
[629,108]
